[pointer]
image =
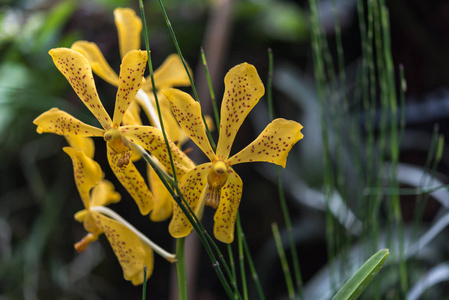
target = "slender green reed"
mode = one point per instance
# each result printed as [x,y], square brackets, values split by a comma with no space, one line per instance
[181,273]
[252,269]
[178,49]
[241,258]
[282,200]
[283,259]
[211,90]
[232,265]
[144,284]
[204,237]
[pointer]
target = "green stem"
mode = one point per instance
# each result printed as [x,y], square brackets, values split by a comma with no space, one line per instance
[178,49]
[253,269]
[181,274]
[283,259]
[144,285]
[241,259]
[211,90]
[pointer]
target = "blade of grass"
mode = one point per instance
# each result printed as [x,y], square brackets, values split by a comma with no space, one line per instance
[360,280]
[283,259]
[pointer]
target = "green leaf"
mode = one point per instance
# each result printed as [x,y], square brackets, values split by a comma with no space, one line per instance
[360,280]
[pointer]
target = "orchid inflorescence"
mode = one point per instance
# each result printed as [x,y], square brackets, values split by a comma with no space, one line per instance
[214,184]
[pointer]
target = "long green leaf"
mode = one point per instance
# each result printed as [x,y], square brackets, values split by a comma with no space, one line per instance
[360,280]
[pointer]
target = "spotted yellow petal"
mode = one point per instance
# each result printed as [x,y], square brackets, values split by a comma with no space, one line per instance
[163,206]
[85,144]
[170,124]
[272,145]
[243,89]
[59,122]
[188,113]
[151,139]
[129,27]
[132,115]
[170,74]
[76,68]
[131,179]
[104,194]
[224,218]
[132,254]
[131,72]
[192,186]
[87,173]
[97,61]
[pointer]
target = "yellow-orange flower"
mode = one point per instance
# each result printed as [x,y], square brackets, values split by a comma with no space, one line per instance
[76,68]
[217,179]
[132,254]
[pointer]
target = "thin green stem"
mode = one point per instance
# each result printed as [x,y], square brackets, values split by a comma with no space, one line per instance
[241,258]
[282,200]
[283,259]
[150,67]
[181,273]
[178,49]
[211,90]
[144,285]
[232,263]
[253,269]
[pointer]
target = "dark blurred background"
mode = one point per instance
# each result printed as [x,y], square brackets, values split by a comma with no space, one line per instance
[38,197]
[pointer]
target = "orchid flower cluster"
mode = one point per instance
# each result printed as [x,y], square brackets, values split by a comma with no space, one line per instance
[214,184]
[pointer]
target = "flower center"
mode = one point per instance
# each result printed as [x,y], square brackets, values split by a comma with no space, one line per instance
[216,179]
[119,145]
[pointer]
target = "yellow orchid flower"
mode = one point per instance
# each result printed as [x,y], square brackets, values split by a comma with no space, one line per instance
[215,183]
[132,254]
[170,74]
[76,68]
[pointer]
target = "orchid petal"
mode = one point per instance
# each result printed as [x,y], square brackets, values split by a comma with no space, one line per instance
[224,218]
[243,89]
[170,74]
[76,68]
[129,27]
[192,186]
[131,72]
[87,173]
[104,194]
[151,139]
[272,145]
[163,206]
[133,182]
[97,61]
[132,254]
[59,122]
[132,115]
[85,144]
[188,113]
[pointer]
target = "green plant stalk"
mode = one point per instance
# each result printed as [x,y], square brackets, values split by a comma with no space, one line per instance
[190,215]
[422,201]
[283,259]
[150,68]
[144,285]
[232,265]
[211,90]
[178,49]
[241,258]
[282,200]
[394,143]
[181,273]
[253,270]
[319,72]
